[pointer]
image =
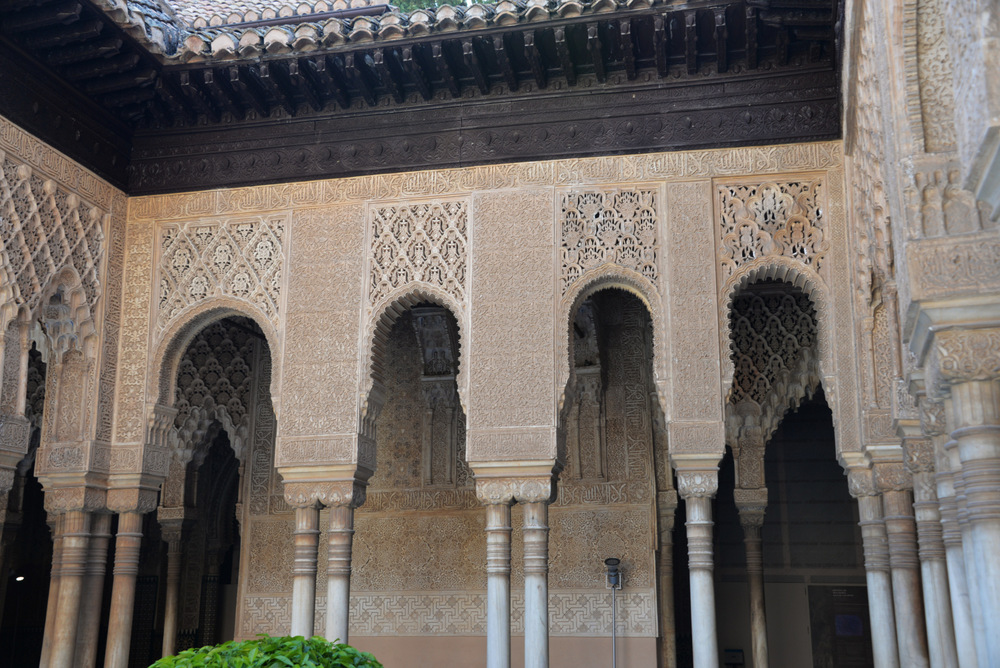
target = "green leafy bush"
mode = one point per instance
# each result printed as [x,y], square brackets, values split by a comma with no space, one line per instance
[268,652]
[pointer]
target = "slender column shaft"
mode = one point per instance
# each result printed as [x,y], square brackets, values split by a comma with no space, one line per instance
[171,608]
[901,531]
[883,624]
[76,536]
[665,584]
[306,536]
[498,585]
[54,578]
[701,564]
[755,582]
[93,592]
[536,584]
[128,543]
[967,557]
[338,571]
[934,573]
[958,588]
[976,416]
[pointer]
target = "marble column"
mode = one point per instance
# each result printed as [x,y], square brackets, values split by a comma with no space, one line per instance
[951,537]
[901,532]
[666,509]
[697,487]
[89,630]
[919,456]
[751,505]
[75,539]
[498,584]
[55,526]
[128,542]
[306,538]
[965,363]
[338,588]
[977,435]
[876,549]
[536,584]
[172,533]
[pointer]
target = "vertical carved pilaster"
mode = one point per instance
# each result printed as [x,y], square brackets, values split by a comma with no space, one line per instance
[861,483]
[697,487]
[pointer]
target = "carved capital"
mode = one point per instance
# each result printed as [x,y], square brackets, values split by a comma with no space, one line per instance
[918,455]
[932,417]
[350,493]
[132,500]
[892,477]
[697,483]
[962,355]
[65,499]
[861,482]
[751,504]
[507,490]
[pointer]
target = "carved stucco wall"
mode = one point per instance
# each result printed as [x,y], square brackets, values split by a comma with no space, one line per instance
[419,547]
[59,216]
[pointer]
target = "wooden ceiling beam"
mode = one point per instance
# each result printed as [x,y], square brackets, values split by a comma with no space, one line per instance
[135,79]
[66,34]
[475,65]
[596,54]
[661,44]
[217,88]
[102,67]
[565,57]
[333,79]
[387,76]
[444,68]
[356,74]
[167,91]
[721,39]
[251,95]
[196,96]
[627,47]
[102,48]
[691,41]
[264,76]
[416,72]
[43,17]
[297,83]
[535,60]
[503,61]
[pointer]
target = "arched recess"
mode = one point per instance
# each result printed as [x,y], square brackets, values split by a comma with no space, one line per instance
[64,312]
[601,278]
[162,375]
[376,337]
[796,274]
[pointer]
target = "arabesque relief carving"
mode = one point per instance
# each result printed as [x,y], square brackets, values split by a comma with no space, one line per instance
[617,226]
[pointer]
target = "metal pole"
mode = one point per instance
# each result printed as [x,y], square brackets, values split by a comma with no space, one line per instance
[614,628]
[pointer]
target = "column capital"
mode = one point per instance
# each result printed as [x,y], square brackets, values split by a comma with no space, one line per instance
[508,490]
[697,483]
[861,482]
[60,500]
[892,477]
[918,455]
[350,493]
[962,355]
[132,500]
[932,416]
[751,504]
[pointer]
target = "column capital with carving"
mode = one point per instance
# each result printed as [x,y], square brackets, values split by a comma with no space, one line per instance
[521,489]
[693,484]
[961,355]
[133,499]
[324,486]
[80,497]
[751,504]
[861,482]
[892,477]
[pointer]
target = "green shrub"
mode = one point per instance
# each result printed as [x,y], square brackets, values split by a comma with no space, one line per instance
[268,652]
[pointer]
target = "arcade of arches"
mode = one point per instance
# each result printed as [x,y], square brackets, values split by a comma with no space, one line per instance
[417,411]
